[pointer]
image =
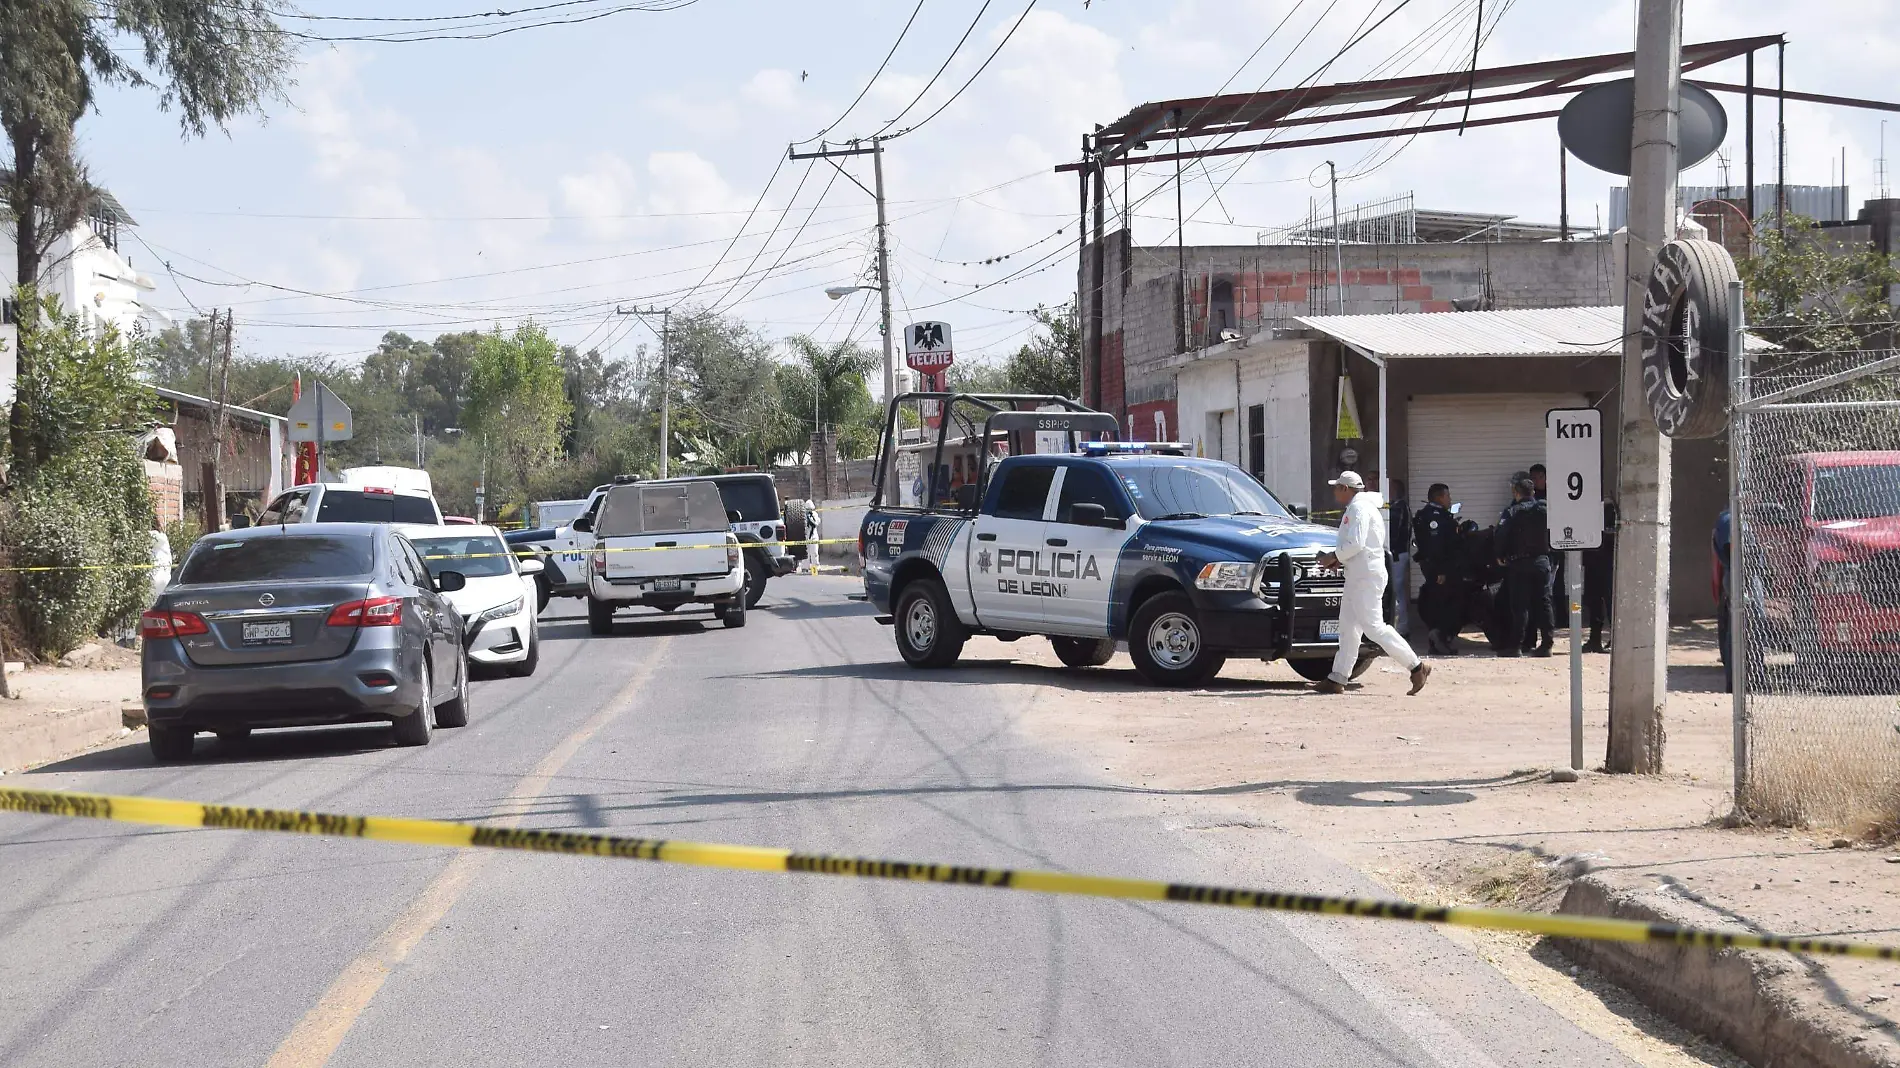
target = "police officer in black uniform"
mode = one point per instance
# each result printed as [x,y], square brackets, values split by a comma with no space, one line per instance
[1599,566]
[1524,547]
[1440,559]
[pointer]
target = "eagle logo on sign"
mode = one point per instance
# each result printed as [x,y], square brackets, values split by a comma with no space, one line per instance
[926,336]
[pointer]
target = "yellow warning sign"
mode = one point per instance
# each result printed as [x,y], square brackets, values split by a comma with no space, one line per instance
[1347,428]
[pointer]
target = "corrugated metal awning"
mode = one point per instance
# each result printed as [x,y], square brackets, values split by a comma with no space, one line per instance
[1595,331]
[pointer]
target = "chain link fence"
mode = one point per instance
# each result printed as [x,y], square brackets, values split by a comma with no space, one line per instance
[1816,550]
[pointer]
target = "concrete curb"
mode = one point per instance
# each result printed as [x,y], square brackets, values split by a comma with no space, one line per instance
[42,743]
[1749,1002]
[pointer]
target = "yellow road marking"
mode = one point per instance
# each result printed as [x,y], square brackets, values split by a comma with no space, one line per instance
[316,1037]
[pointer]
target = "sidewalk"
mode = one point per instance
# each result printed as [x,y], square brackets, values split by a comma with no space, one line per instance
[1447,797]
[60,711]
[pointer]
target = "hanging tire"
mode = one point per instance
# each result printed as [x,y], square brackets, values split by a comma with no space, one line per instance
[929,634]
[600,617]
[413,729]
[1313,670]
[1083,652]
[797,527]
[1167,645]
[1685,338]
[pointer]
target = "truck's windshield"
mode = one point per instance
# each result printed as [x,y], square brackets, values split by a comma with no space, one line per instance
[1863,491]
[1191,489]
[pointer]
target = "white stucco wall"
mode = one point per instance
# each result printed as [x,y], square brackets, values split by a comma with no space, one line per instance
[1273,374]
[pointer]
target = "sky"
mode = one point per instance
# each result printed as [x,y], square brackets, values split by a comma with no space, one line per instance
[637,159]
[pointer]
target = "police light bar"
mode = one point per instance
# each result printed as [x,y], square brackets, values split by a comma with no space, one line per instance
[1133,448]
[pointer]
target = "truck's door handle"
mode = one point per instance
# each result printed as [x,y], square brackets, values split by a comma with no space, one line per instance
[986,537]
[1058,541]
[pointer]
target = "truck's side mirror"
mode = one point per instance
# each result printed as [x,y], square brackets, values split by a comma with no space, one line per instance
[240,521]
[1300,511]
[1094,515]
[584,524]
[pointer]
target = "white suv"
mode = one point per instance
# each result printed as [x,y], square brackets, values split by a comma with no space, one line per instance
[340,502]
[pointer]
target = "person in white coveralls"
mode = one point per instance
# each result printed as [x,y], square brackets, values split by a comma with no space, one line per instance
[1362,554]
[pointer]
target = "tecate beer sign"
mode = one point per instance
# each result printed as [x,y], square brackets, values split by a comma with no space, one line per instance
[927,346]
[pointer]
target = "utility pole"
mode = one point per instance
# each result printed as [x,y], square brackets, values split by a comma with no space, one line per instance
[666,375]
[883,287]
[1640,616]
[1339,255]
[211,472]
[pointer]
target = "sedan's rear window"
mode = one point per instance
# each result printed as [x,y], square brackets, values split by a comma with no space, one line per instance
[356,506]
[272,559]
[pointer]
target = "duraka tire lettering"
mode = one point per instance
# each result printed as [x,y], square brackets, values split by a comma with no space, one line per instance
[1685,338]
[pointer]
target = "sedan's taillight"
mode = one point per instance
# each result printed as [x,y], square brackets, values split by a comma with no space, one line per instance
[375,612]
[159,623]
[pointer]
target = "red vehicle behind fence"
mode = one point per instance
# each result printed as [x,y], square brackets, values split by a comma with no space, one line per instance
[1829,536]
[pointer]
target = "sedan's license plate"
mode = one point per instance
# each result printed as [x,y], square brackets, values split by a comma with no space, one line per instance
[267,632]
[666,585]
[1329,629]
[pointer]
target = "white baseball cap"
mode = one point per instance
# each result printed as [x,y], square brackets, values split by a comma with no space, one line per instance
[1349,479]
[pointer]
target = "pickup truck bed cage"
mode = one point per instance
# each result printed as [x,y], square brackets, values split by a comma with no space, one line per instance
[986,426]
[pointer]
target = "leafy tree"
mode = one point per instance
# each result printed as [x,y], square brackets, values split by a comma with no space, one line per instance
[517,403]
[724,387]
[81,508]
[1808,293]
[1051,362]
[211,60]
[83,384]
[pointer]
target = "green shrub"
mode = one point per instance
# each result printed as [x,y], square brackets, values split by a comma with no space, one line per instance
[62,609]
[183,534]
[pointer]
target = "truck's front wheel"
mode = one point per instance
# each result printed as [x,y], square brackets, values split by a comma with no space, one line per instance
[929,634]
[1167,645]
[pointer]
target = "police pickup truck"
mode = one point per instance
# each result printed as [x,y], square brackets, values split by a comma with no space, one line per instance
[1189,561]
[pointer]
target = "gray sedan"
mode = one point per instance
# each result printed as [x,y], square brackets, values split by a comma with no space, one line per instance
[302,625]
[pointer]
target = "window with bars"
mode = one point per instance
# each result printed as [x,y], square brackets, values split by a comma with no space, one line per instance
[1257,442]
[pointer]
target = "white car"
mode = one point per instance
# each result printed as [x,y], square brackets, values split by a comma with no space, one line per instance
[497,605]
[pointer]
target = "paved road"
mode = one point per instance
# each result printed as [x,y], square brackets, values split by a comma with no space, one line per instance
[151,947]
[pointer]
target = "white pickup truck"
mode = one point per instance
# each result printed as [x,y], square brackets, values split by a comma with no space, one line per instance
[661,545]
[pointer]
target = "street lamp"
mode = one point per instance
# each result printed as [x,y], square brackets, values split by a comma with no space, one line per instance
[481,485]
[841,292]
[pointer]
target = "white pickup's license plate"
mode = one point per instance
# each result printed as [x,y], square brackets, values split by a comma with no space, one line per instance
[267,632]
[666,585]
[1329,629]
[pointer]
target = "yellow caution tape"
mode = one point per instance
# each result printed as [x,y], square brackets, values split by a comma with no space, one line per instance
[482,556]
[170,813]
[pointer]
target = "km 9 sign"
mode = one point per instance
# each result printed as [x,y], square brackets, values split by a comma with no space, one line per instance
[1573,468]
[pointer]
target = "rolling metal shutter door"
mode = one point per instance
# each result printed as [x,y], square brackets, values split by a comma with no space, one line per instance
[1473,442]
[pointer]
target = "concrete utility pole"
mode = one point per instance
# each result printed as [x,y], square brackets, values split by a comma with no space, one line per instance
[211,472]
[666,375]
[1640,616]
[883,287]
[1339,256]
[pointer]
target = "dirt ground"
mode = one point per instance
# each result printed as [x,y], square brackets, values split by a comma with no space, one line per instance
[1447,797]
[60,709]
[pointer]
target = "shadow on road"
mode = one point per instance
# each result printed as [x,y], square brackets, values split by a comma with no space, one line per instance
[817,609]
[294,743]
[591,810]
[992,671]
[652,626]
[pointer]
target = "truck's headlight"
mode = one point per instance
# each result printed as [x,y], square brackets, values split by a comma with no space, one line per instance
[1838,578]
[502,611]
[1226,575]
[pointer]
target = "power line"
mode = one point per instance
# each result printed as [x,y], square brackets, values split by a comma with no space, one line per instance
[973,77]
[971,28]
[875,75]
